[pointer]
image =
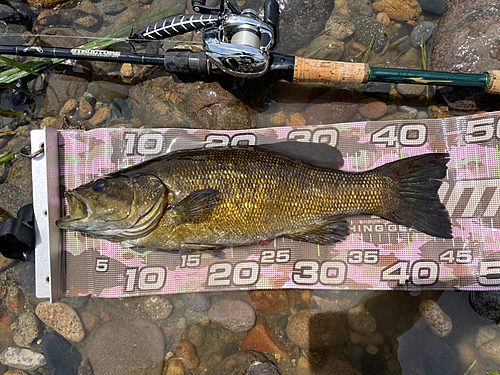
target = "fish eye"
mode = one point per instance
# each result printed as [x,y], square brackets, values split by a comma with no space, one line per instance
[99,186]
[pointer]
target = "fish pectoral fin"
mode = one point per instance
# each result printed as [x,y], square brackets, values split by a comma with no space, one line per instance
[197,206]
[317,154]
[200,247]
[330,231]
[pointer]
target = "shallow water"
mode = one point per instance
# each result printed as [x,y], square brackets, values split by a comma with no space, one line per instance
[401,343]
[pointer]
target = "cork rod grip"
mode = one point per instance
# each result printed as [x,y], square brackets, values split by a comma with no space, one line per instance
[309,70]
[494,85]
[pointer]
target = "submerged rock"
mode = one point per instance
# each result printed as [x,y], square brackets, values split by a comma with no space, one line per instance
[61,318]
[23,359]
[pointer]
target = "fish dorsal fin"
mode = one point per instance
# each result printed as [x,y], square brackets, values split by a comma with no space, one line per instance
[197,206]
[317,154]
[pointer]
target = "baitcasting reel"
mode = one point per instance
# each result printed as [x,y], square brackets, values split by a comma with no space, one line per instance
[235,41]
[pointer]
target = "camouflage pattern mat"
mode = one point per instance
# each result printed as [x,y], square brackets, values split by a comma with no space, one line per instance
[377,254]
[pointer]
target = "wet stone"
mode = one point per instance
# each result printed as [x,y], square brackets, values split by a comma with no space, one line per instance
[325,47]
[23,359]
[338,27]
[361,321]
[107,91]
[269,301]
[407,89]
[332,107]
[372,108]
[156,307]
[62,358]
[361,7]
[127,345]
[486,305]
[235,315]
[69,108]
[438,7]
[436,319]
[196,335]
[62,318]
[14,372]
[27,329]
[85,109]
[15,299]
[323,330]
[423,31]
[229,349]
[184,351]
[398,10]
[196,301]
[484,335]
[100,116]
[262,339]
[89,320]
[114,8]
[175,367]
[366,29]
[243,363]
[491,350]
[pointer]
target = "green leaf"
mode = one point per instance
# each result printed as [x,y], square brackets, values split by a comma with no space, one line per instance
[493,372]
[14,87]
[18,65]
[13,74]
[6,156]
[11,113]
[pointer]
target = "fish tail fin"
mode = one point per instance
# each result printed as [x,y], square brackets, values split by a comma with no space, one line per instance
[419,179]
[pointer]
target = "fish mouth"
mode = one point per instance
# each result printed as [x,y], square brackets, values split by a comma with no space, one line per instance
[78,211]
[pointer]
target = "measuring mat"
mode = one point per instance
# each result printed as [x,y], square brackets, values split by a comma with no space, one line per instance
[377,254]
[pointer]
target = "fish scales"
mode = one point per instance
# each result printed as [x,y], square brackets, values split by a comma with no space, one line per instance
[213,198]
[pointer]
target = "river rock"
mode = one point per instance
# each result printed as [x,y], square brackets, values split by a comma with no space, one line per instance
[174,367]
[372,108]
[335,106]
[361,321]
[491,350]
[269,301]
[360,7]
[235,315]
[244,363]
[165,102]
[366,28]
[324,47]
[196,301]
[23,359]
[27,329]
[45,3]
[436,319]
[487,305]
[262,339]
[85,109]
[437,7]
[325,330]
[127,347]
[156,307]
[338,27]
[196,335]
[114,8]
[422,32]
[184,351]
[62,318]
[299,22]
[14,372]
[398,10]
[15,299]
[485,334]
[62,358]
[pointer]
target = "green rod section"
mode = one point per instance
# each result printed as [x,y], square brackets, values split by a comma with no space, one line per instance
[428,77]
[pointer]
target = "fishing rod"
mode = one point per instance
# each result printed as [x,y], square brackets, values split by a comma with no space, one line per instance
[238,43]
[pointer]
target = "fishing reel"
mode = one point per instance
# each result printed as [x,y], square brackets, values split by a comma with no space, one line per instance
[241,43]
[235,41]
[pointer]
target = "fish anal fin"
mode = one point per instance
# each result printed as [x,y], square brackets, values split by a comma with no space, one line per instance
[197,206]
[330,231]
[317,154]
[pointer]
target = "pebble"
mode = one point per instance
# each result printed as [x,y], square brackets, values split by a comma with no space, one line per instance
[436,319]
[62,318]
[357,338]
[437,7]
[466,354]
[423,31]
[366,28]
[412,112]
[69,107]
[362,8]
[15,300]
[196,301]
[127,344]
[269,301]
[62,358]
[491,350]
[318,331]
[27,329]
[235,315]
[435,111]
[339,28]
[324,47]
[262,339]
[407,89]
[244,362]
[296,119]
[175,367]
[371,349]
[89,320]
[372,108]
[14,372]
[85,109]
[5,263]
[107,91]
[23,359]
[127,71]
[304,366]
[422,115]
[100,117]
[47,17]
[361,321]
[47,121]
[114,8]
[335,106]
[398,10]
[384,19]
[196,335]
[184,351]
[156,307]
[485,334]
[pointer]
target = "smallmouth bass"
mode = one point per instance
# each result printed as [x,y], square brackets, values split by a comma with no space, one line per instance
[215,198]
